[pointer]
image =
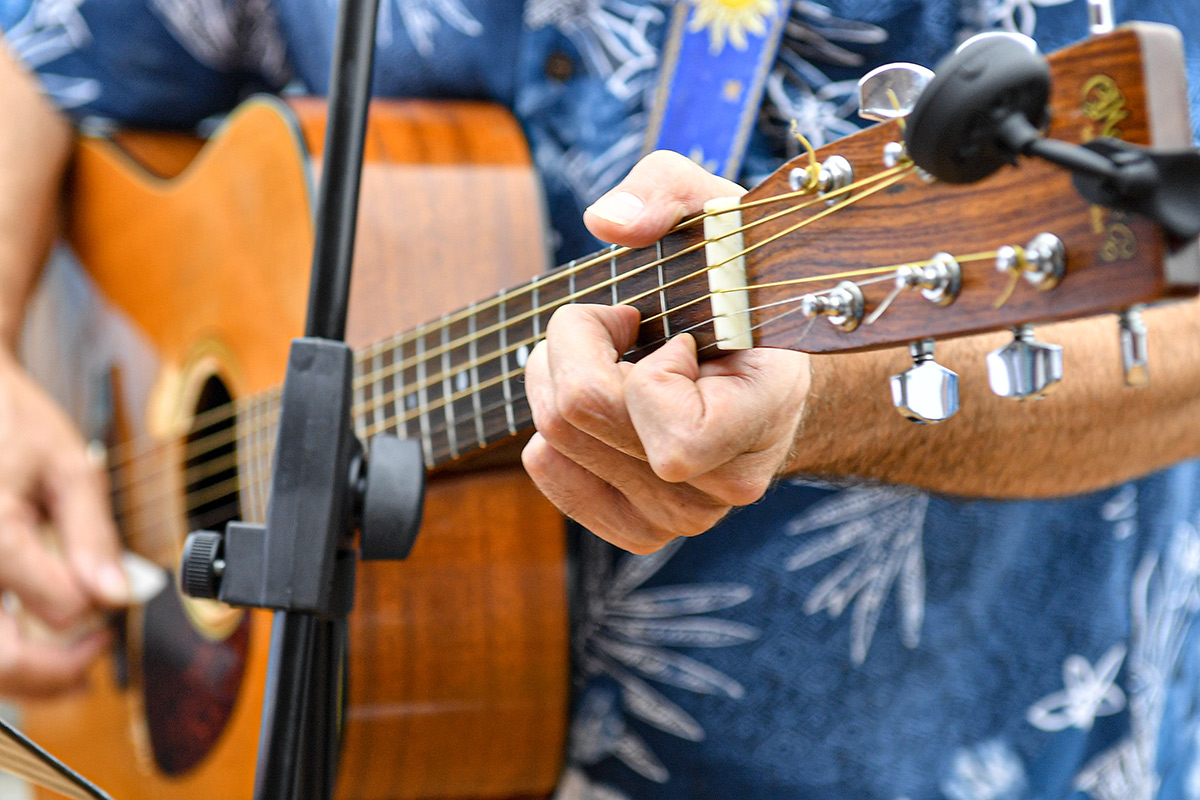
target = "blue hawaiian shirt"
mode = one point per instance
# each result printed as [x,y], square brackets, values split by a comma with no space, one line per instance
[866,641]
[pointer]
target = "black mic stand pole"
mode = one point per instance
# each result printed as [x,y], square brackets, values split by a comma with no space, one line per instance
[300,724]
[302,562]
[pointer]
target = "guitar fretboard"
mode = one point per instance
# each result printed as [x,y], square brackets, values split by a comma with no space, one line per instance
[456,384]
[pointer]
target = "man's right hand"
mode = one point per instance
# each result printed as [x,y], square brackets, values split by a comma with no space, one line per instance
[58,545]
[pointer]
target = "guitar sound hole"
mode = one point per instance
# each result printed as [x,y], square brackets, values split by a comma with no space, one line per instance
[194,652]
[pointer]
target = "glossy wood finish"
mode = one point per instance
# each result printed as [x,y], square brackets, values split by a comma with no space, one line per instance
[458,672]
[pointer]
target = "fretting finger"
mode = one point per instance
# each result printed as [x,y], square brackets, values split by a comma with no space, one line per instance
[580,382]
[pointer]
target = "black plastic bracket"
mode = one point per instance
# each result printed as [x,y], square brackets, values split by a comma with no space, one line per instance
[288,563]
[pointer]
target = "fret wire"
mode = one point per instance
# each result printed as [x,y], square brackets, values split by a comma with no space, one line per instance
[508,404]
[448,392]
[662,292]
[423,403]
[400,395]
[537,320]
[473,355]
[613,269]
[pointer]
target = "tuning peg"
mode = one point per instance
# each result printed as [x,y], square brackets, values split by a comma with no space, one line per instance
[1024,368]
[927,392]
[1100,17]
[1135,355]
[891,91]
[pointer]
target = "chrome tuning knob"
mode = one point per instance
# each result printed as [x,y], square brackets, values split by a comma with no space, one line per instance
[891,91]
[927,392]
[1024,368]
[1135,350]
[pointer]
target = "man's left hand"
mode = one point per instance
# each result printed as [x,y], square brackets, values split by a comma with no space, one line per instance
[642,453]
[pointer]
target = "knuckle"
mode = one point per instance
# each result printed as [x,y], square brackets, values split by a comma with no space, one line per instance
[674,459]
[582,402]
[535,458]
[551,424]
[645,547]
[744,490]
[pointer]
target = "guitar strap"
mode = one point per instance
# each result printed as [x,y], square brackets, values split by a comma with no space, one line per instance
[714,67]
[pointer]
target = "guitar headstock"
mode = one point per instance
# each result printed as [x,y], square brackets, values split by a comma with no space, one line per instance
[1065,257]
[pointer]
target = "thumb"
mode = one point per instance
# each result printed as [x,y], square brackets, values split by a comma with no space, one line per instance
[661,189]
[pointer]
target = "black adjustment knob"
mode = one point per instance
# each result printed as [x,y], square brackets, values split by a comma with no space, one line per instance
[394,498]
[201,566]
[983,104]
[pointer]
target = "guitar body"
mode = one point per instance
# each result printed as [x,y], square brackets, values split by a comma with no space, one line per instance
[458,675]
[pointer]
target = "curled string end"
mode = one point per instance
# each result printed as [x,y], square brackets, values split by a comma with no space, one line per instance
[813,169]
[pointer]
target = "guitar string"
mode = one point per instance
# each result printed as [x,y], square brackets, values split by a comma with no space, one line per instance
[226,435]
[197,499]
[222,413]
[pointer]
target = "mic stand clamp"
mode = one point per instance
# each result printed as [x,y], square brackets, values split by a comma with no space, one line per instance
[986,105]
[302,560]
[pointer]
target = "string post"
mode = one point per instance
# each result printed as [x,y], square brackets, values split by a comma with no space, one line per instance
[1010,261]
[843,305]
[835,176]
[939,280]
[1042,262]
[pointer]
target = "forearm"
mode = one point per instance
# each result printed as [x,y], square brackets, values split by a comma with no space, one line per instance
[1088,433]
[34,145]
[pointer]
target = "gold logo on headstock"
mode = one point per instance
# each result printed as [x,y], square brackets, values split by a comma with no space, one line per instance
[1120,243]
[1104,105]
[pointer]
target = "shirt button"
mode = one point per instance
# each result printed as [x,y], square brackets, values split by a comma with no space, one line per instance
[559,66]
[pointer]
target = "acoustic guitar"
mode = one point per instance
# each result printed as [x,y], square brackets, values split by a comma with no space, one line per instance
[196,262]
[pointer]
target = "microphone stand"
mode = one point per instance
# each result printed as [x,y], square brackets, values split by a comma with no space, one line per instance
[302,562]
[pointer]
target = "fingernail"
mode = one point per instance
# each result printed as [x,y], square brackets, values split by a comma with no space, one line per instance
[111,581]
[620,208]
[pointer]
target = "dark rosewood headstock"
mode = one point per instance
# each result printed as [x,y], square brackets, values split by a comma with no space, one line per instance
[1129,84]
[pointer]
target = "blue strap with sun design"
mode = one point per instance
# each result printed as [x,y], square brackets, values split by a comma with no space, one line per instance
[715,64]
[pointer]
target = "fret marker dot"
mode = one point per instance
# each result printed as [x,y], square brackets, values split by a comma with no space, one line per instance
[461,382]
[410,401]
[522,355]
